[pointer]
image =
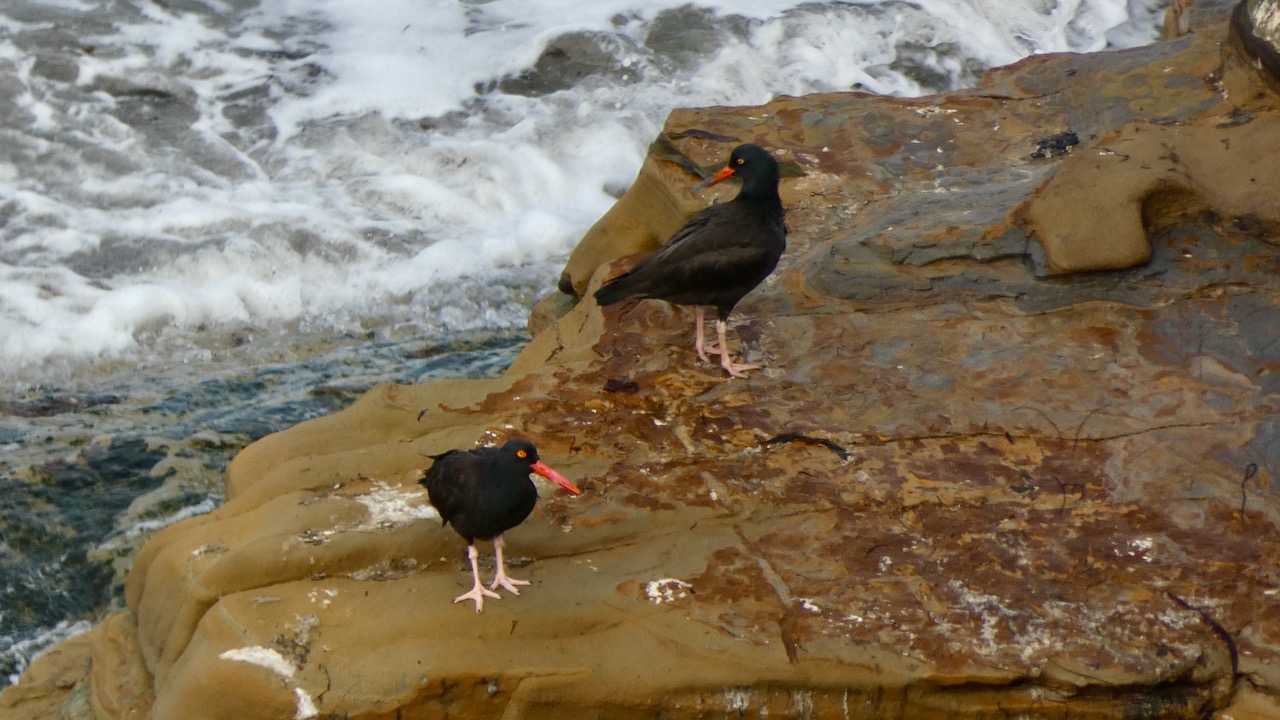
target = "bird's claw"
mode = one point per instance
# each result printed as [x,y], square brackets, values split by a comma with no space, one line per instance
[478,594]
[737,370]
[704,350]
[509,583]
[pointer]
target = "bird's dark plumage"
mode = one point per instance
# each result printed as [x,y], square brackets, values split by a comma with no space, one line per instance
[720,254]
[483,493]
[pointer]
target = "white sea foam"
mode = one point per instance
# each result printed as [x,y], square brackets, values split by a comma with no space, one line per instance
[20,653]
[149,526]
[322,165]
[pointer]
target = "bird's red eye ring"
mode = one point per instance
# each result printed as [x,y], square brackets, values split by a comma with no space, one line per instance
[522,454]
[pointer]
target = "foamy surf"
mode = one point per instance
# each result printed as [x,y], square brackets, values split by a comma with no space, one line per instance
[183,180]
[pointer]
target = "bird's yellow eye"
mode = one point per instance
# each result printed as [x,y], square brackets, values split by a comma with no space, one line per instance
[522,453]
[741,161]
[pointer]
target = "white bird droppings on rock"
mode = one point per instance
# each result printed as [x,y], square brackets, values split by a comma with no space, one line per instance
[666,590]
[262,657]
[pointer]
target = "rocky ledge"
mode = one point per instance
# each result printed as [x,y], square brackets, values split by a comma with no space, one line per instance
[1013,454]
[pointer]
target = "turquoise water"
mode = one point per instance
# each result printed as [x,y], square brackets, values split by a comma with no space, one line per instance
[88,474]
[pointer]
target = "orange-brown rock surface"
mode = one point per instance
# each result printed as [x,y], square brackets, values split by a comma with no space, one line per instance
[972,482]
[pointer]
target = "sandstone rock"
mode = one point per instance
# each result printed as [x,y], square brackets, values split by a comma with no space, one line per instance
[656,206]
[968,484]
[50,683]
[1257,27]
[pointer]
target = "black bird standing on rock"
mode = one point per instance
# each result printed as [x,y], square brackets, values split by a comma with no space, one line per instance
[717,257]
[484,493]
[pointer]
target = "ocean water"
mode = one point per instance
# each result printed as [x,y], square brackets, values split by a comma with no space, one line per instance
[221,217]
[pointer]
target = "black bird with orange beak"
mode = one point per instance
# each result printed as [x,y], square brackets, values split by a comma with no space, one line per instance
[484,493]
[718,256]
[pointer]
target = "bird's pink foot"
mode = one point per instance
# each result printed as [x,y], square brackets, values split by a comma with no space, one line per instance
[507,582]
[502,579]
[737,370]
[478,594]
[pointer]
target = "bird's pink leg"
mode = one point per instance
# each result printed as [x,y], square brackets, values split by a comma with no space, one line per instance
[704,348]
[501,578]
[726,359]
[699,340]
[477,592]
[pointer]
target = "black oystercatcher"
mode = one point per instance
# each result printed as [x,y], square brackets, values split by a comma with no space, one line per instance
[484,493]
[717,257]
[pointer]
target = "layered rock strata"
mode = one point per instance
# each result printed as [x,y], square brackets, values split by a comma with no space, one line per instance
[1013,454]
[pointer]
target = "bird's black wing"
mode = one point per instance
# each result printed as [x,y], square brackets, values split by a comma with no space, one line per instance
[638,281]
[713,227]
[720,251]
[448,482]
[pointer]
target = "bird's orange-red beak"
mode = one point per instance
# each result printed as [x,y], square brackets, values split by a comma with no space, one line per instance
[725,173]
[555,477]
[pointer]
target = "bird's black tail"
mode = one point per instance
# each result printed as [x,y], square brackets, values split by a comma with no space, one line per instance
[614,291]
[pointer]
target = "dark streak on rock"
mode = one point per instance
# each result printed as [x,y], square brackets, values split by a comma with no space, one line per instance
[1218,630]
[808,440]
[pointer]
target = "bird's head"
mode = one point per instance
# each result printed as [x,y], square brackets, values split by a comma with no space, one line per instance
[523,452]
[757,169]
